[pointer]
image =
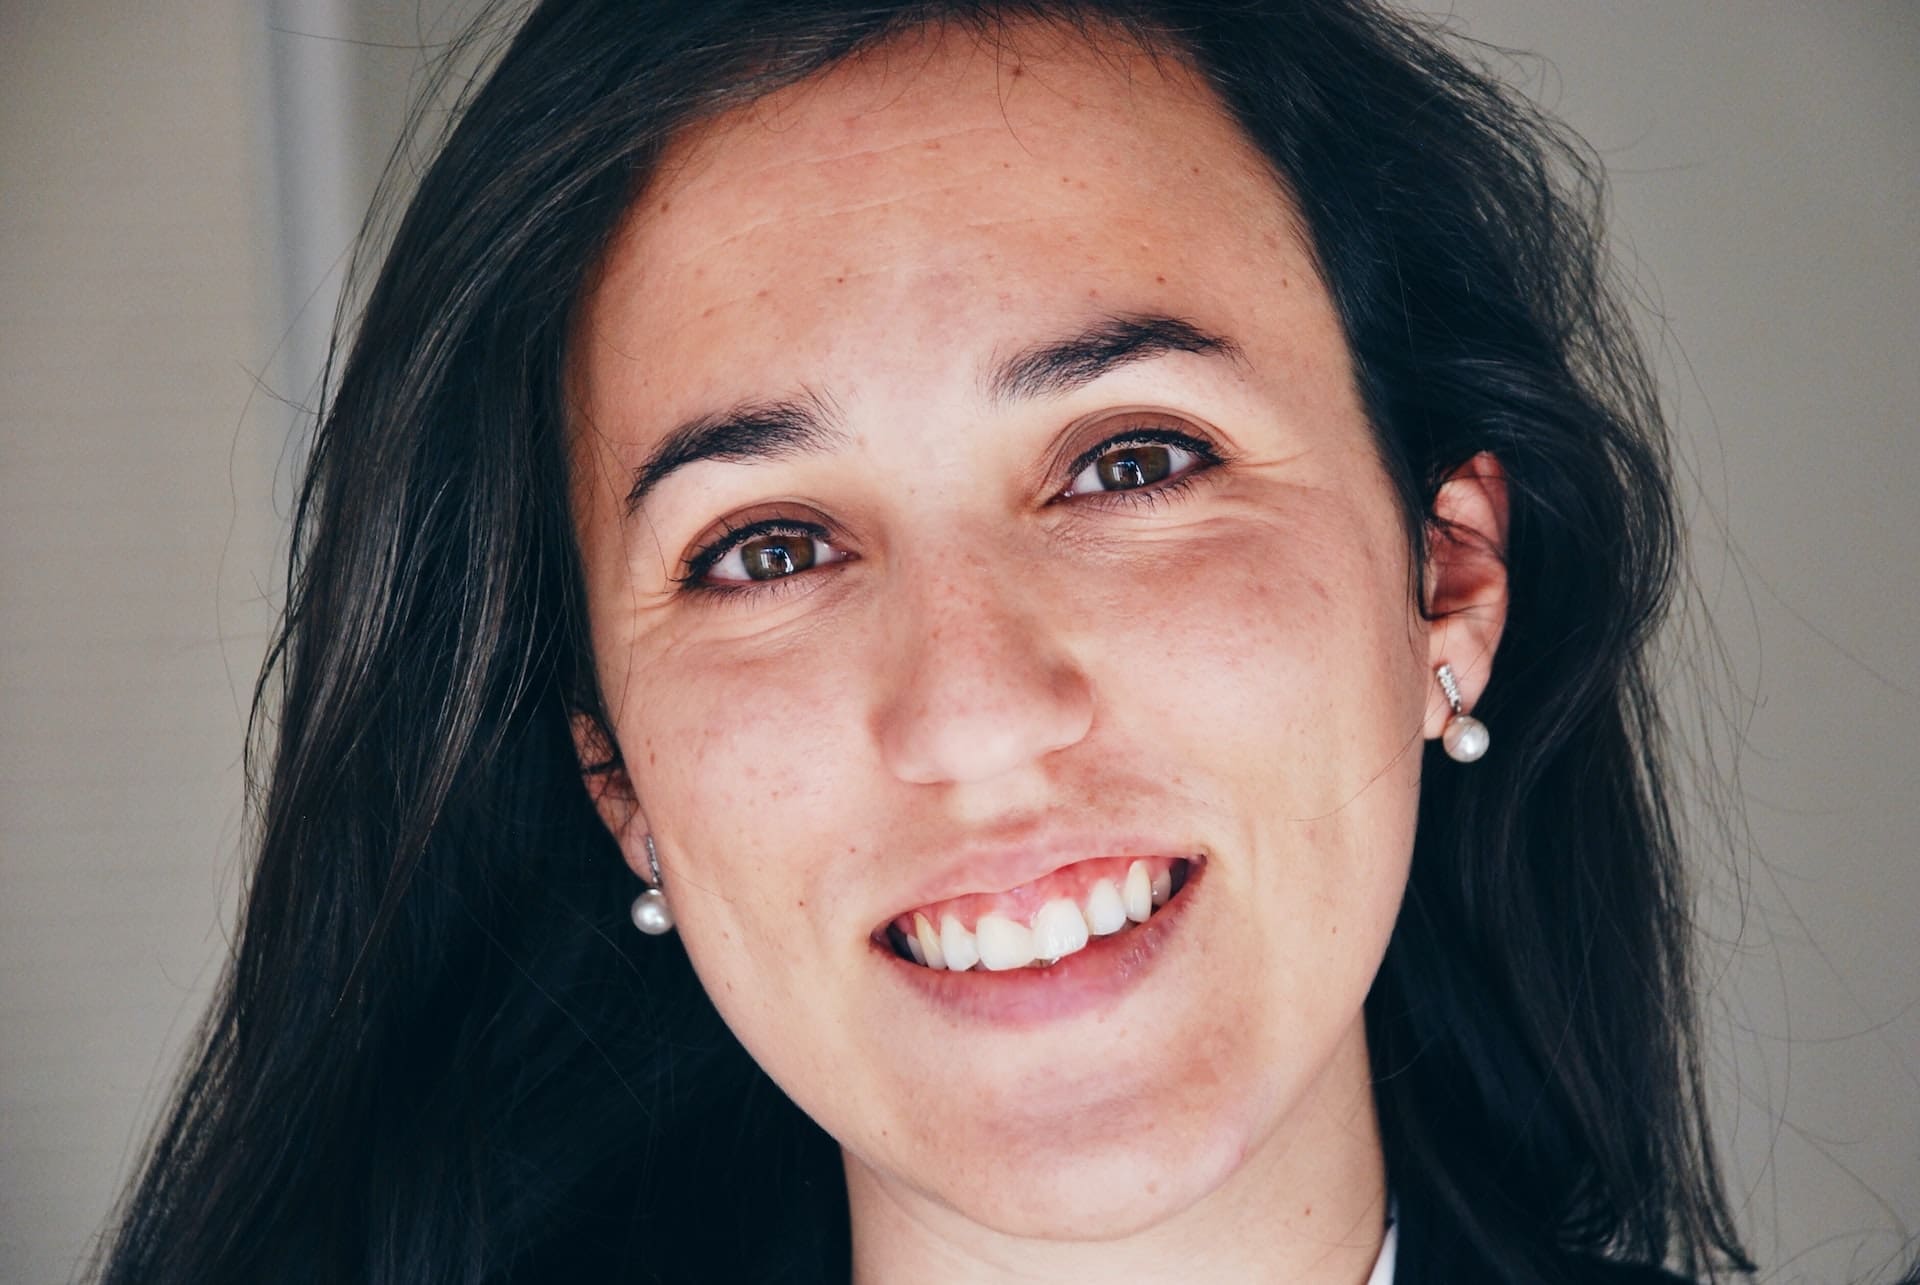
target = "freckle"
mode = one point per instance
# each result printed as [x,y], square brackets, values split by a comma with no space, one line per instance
[1160,280]
[839,281]
[665,206]
[800,904]
[1018,72]
[1308,1211]
[1196,169]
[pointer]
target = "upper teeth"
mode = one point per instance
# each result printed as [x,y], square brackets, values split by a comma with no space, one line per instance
[1060,928]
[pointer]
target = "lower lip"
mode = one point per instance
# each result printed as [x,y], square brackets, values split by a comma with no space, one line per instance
[1091,978]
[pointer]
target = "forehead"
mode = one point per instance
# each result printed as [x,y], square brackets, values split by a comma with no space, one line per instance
[1020,174]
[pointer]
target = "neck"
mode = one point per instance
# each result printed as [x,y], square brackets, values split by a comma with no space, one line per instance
[1307,1205]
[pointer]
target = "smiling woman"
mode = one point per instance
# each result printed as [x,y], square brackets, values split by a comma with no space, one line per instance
[995,515]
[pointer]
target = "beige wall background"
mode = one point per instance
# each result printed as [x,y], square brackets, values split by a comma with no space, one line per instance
[136,543]
[1766,161]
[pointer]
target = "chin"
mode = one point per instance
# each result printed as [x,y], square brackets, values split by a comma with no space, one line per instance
[1085,1190]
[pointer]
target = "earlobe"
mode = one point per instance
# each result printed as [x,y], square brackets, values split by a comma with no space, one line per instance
[607,783]
[1466,582]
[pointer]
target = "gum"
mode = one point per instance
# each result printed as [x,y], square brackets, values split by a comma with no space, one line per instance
[1020,904]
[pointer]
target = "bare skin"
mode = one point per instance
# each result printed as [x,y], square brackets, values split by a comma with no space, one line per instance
[973,664]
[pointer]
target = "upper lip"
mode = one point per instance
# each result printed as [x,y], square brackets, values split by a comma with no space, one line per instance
[989,867]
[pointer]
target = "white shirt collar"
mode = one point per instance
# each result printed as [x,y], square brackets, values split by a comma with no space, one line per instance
[1383,1265]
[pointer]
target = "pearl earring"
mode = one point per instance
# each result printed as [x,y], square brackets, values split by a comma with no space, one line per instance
[1465,737]
[651,914]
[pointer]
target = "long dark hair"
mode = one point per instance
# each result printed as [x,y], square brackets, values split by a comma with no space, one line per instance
[439,1053]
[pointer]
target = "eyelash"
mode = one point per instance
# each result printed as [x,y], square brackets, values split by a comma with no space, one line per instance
[702,562]
[1146,497]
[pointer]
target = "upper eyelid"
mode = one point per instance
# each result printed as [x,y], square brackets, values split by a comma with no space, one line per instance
[1145,428]
[711,552]
[1148,434]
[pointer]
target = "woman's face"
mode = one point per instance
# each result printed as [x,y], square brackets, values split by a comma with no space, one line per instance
[1066,546]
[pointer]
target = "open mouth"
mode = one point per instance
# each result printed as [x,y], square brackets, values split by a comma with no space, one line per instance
[1038,924]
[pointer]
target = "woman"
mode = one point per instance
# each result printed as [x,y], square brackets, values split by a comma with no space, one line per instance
[1017,524]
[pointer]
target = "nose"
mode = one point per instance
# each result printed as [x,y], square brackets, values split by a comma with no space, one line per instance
[978,683]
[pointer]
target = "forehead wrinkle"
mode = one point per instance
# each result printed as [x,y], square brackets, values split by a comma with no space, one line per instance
[693,160]
[935,191]
[737,171]
[790,175]
[745,157]
[865,154]
[790,225]
[714,145]
[807,108]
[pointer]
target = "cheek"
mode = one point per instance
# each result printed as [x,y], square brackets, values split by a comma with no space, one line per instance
[1278,651]
[740,784]
[1272,676]
[749,775]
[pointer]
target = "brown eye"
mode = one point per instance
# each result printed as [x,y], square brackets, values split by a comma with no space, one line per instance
[1131,465]
[770,557]
[774,550]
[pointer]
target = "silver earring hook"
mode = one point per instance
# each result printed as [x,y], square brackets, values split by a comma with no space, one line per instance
[653,861]
[650,912]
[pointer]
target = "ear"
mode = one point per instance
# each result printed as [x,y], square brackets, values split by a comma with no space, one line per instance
[1466,581]
[608,785]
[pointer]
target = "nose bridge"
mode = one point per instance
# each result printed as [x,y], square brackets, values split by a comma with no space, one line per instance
[980,679]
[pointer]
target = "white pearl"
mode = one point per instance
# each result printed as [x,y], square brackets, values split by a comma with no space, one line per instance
[1465,738]
[651,914]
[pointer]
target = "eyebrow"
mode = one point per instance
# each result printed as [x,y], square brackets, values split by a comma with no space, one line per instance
[761,432]
[749,433]
[1058,367]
